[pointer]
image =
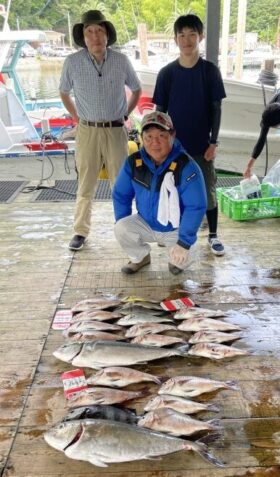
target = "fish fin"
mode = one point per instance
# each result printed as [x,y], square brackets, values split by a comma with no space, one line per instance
[97,462]
[163,379]
[150,457]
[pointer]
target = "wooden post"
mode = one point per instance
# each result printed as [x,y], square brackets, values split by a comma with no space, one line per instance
[143,44]
[225,33]
[241,28]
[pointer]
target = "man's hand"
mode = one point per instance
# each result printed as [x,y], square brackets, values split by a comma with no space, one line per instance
[210,152]
[178,255]
[249,169]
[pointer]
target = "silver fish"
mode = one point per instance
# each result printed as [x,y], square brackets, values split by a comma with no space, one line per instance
[133,299]
[68,351]
[206,324]
[102,412]
[94,335]
[190,386]
[147,328]
[118,377]
[135,319]
[215,351]
[175,423]
[98,315]
[101,395]
[194,311]
[150,305]
[129,308]
[179,404]
[213,337]
[157,340]
[96,303]
[103,442]
[85,325]
[101,354]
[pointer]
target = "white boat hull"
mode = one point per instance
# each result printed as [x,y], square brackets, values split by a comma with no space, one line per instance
[240,126]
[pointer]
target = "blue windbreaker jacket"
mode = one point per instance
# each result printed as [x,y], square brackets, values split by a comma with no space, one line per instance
[191,191]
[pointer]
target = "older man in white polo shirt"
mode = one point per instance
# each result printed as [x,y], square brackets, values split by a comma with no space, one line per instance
[97,75]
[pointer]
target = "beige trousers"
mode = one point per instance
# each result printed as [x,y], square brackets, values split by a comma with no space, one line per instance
[95,147]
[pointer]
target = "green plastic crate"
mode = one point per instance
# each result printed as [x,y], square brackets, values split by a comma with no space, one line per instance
[250,209]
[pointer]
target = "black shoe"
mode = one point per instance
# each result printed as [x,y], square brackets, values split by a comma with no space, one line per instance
[175,270]
[77,242]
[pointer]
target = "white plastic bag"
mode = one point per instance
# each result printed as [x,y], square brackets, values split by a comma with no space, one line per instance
[273,175]
[272,178]
[251,188]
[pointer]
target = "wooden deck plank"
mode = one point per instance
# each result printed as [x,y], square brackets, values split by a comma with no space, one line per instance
[41,275]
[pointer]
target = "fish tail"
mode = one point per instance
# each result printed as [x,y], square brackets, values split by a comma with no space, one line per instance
[207,439]
[215,423]
[182,350]
[206,455]
[232,385]
[213,408]
[157,380]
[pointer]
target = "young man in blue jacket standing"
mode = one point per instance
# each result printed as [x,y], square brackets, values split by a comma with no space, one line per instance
[169,192]
[191,90]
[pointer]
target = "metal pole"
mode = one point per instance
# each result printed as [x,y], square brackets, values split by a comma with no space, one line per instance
[213,30]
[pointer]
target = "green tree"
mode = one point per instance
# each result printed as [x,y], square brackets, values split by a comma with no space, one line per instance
[262,17]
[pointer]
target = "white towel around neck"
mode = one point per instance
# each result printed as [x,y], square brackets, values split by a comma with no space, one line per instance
[168,206]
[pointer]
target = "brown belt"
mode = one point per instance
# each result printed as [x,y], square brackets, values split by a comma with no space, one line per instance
[102,124]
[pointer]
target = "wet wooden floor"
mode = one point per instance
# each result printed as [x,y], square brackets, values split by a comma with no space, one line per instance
[39,275]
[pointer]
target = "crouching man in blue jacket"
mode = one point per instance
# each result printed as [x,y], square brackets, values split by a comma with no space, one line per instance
[169,192]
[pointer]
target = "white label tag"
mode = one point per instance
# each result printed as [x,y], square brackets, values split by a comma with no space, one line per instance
[62,319]
[173,305]
[73,382]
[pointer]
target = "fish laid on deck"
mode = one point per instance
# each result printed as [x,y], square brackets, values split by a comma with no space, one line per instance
[213,337]
[101,395]
[137,318]
[149,305]
[86,325]
[98,315]
[157,340]
[147,328]
[198,324]
[215,351]
[112,413]
[100,354]
[178,404]
[194,311]
[103,442]
[176,423]
[190,386]
[94,335]
[118,377]
[97,303]
[129,308]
